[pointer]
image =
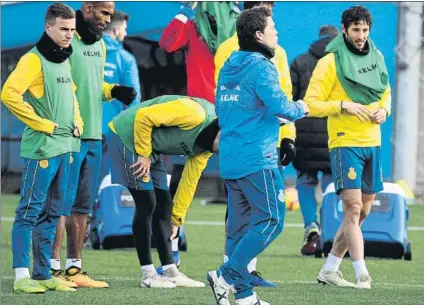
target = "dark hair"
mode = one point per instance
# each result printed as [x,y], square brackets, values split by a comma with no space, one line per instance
[251,4]
[249,22]
[117,19]
[356,14]
[207,136]
[94,3]
[328,30]
[60,10]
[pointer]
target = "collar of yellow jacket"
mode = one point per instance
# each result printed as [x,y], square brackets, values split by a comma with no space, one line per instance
[78,35]
[233,40]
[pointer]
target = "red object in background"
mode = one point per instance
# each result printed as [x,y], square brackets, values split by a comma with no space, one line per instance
[200,64]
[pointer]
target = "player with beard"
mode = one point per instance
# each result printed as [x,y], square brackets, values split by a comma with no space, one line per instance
[350,86]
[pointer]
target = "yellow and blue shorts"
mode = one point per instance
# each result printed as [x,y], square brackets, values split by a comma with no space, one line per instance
[121,173]
[357,168]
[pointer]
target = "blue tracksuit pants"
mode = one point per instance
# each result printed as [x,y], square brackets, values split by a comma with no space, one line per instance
[256,210]
[43,189]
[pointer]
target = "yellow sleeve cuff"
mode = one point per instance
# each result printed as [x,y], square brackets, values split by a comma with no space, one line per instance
[49,127]
[107,91]
[287,132]
[177,220]
[112,127]
[322,109]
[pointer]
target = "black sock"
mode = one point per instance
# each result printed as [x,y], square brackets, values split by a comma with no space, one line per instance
[161,226]
[145,202]
[177,172]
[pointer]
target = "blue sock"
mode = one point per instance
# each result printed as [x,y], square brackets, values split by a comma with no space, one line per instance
[176,257]
[307,201]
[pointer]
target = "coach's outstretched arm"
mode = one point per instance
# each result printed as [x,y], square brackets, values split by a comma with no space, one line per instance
[267,87]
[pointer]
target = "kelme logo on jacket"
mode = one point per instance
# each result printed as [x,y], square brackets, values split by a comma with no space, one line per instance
[229,98]
[367,69]
[63,80]
[92,54]
[185,148]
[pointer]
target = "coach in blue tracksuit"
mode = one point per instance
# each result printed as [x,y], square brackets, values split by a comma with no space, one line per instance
[249,103]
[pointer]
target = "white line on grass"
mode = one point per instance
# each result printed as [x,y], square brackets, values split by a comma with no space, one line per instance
[221,223]
[377,284]
[286,225]
[137,279]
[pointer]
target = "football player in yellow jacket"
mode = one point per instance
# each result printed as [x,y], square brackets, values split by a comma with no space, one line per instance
[168,125]
[350,86]
[287,134]
[40,92]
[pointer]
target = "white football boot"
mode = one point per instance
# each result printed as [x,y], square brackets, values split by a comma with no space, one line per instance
[333,278]
[363,282]
[221,289]
[156,281]
[180,279]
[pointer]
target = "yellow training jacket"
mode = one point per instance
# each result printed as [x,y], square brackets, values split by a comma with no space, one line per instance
[282,65]
[28,76]
[185,114]
[324,96]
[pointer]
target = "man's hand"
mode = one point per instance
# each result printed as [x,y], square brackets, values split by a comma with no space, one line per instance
[142,167]
[77,132]
[124,94]
[174,231]
[305,107]
[287,151]
[283,121]
[190,4]
[55,127]
[379,117]
[360,111]
[187,9]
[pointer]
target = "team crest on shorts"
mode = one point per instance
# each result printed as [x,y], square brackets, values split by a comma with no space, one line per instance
[146,179]
[352,174]
[44,163]
[281,196]
[71,159]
